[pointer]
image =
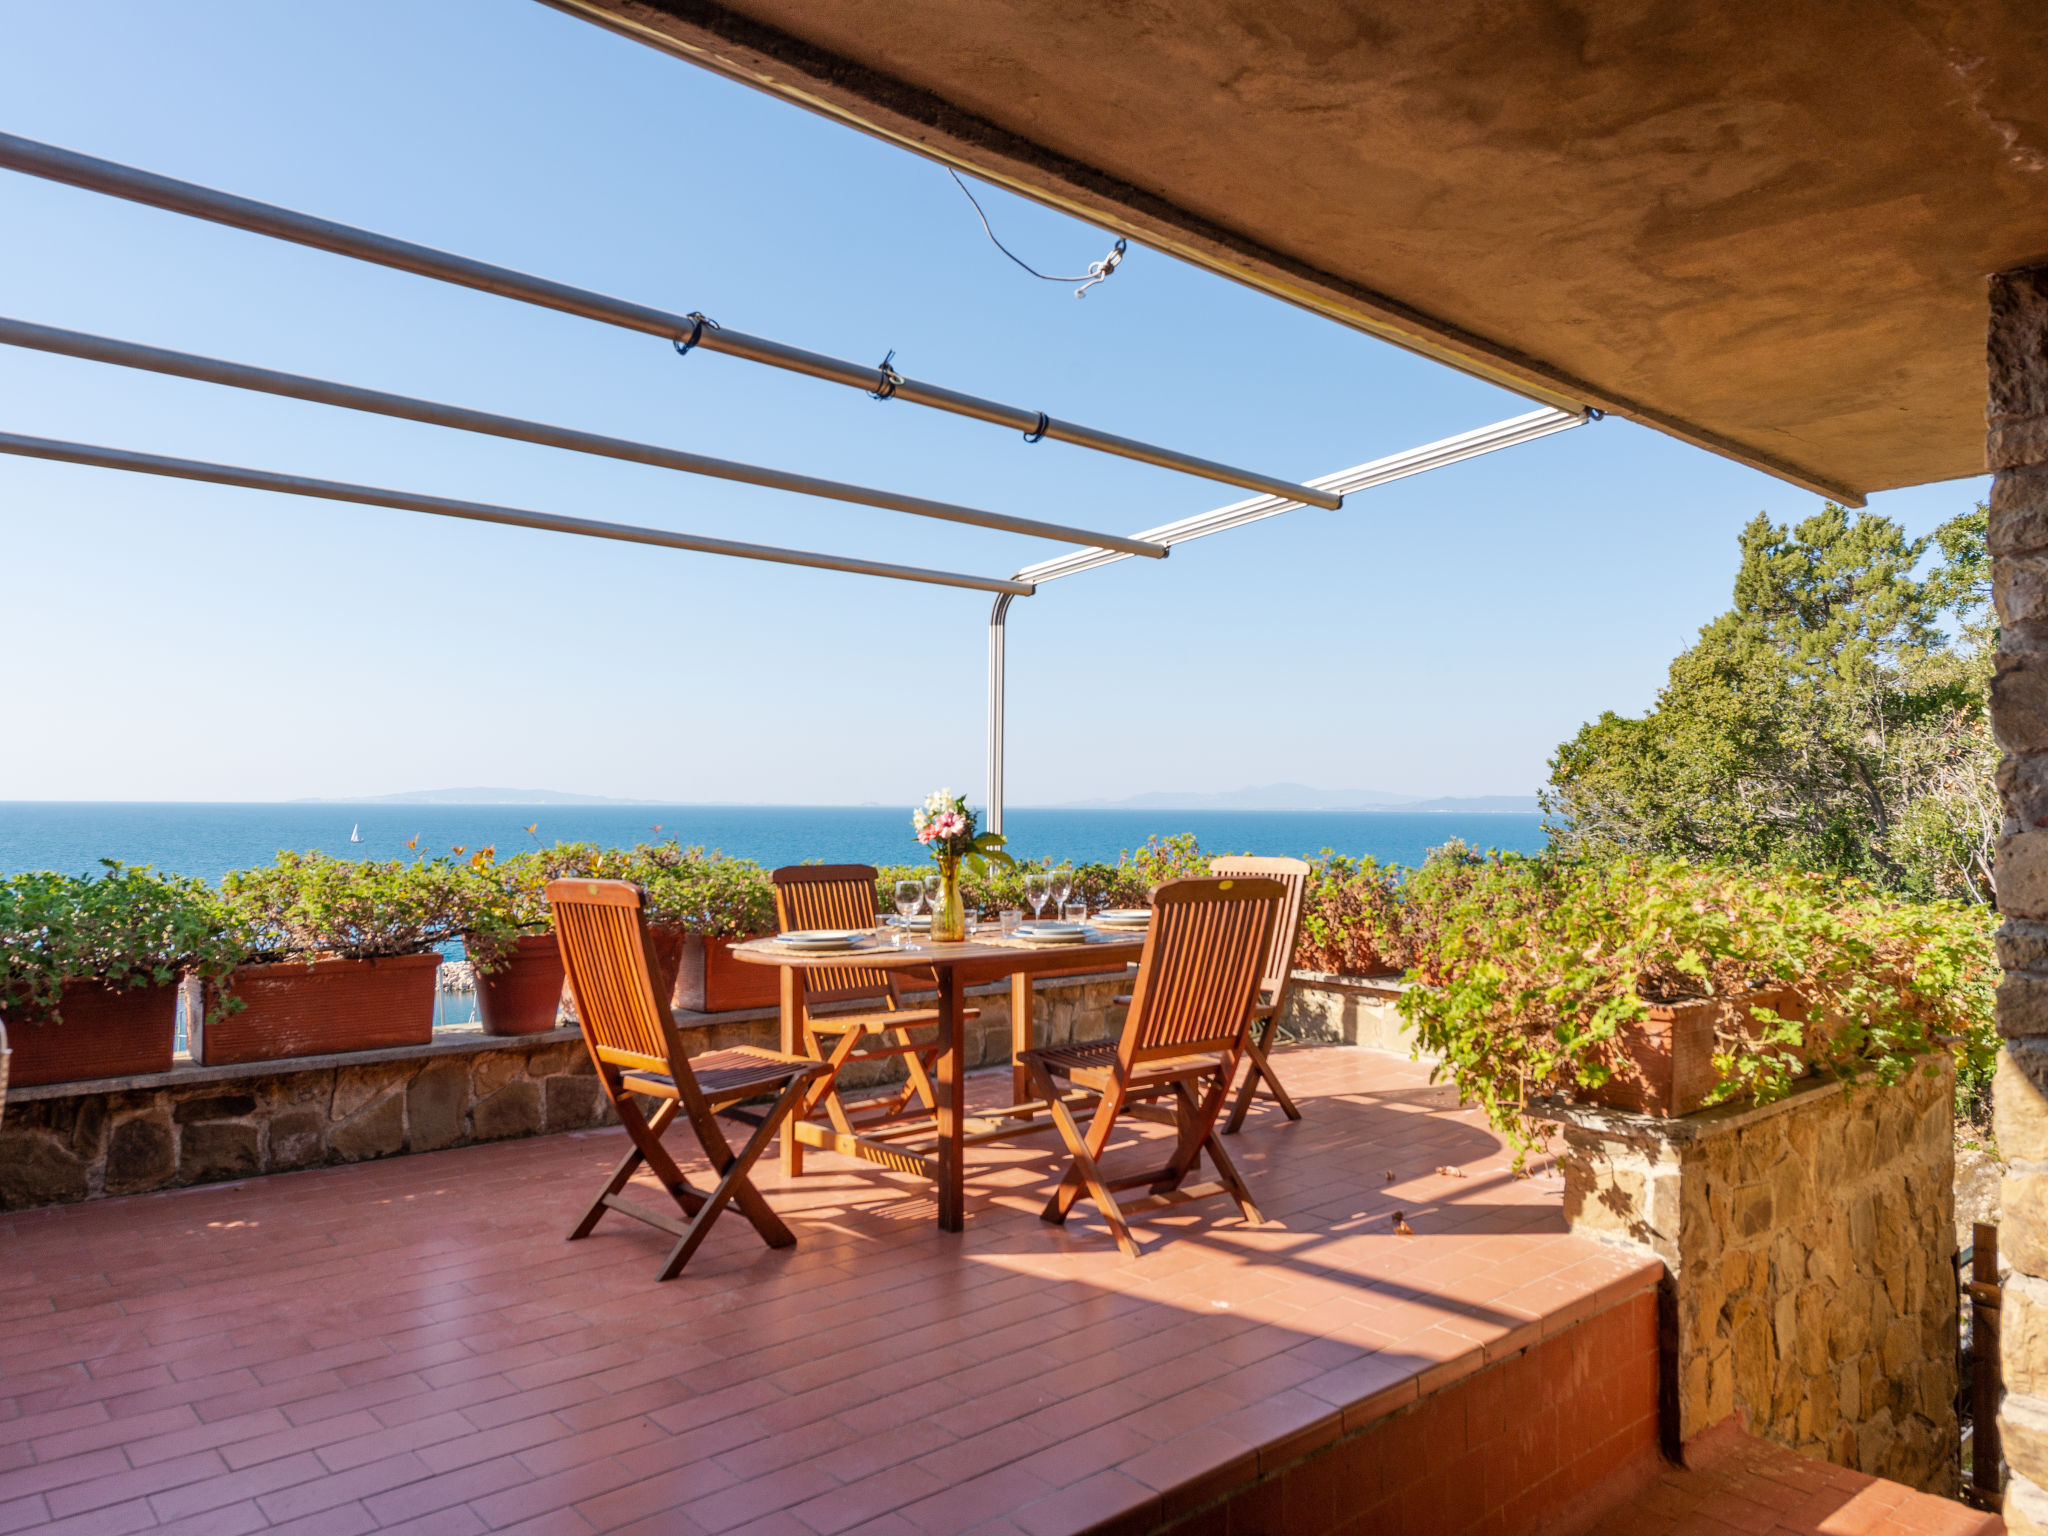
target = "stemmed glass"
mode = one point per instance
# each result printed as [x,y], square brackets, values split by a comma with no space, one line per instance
[909,893]
[1037,886]
[931,894]
[1060,887]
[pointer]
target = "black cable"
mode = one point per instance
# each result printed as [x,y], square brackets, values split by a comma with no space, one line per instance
[1098,271]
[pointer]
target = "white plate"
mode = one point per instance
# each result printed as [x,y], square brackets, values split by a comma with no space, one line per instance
[923,920]
[1125,917]
[824,938]
[1053,933]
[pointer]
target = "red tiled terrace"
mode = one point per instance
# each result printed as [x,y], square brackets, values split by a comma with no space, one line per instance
[411,1345]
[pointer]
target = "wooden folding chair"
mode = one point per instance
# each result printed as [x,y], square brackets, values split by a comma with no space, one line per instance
[1273,986]
[634,1043]
[843,896]
[1190,1013]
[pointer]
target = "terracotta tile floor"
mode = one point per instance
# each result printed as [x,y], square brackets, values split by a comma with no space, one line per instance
[411,1345]
[1755,1489]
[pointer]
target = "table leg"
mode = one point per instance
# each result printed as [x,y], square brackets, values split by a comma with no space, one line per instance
[1020,1035]
[792,1037]
[952,1148]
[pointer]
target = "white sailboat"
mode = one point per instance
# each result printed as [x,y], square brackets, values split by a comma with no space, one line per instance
[355,833]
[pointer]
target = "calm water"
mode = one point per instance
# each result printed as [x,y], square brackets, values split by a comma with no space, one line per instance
[208,839]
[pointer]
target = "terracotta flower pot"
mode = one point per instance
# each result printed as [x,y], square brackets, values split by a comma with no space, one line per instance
[711,981]
[295,1009]
[524,995]
[106,1032]
[669,945]
[1666,1065]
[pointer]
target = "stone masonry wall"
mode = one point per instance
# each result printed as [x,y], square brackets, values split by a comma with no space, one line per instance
[1348,1010]
[81,1146]
[200,1125]
[2016,451]
[1808,1248]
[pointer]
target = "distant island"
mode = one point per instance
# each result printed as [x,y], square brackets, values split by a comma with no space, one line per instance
[1301,797]
[475,797]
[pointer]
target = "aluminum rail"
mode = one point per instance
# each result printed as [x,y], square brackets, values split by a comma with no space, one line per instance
[33,158]
[1398,466]
[477,511]
[1450,450]
[187,365]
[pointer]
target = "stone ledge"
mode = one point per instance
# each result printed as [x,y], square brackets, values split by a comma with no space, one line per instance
[1682,1130]
[1389,985]
[457,1040]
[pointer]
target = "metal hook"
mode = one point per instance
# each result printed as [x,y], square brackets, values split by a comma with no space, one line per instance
[1038,436]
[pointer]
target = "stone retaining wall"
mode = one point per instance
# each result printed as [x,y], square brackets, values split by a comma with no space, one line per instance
[81,1141]
[1811,1286]
[1348,1010]
[196,1125]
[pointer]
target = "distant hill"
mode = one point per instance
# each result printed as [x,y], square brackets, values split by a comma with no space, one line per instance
[1265,797]
[477,797]
[1522,805]
[1301,797]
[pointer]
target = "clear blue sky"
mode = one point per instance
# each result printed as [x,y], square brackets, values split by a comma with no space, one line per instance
[173,641]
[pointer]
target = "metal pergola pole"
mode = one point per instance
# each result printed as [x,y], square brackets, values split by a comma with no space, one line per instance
[998,631]
[54,164]
[478,511]
[186,365]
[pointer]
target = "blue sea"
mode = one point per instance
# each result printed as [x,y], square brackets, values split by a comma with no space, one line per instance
[206,839]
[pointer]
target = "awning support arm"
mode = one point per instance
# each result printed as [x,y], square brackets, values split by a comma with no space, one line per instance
[477,511]
[32,158]
[1449,450]
[211,370]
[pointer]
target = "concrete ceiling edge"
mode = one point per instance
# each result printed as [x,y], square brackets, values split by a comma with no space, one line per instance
[768,59]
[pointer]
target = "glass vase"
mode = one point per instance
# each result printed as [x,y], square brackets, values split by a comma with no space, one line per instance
[949,918]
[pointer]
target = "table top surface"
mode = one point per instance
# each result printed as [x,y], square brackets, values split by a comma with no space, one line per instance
[1111,947]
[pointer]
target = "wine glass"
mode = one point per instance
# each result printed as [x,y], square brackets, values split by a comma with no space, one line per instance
[1061,886]
[1037,886]
[908,894]
[931,894]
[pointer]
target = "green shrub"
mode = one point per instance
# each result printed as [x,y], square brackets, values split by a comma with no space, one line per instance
[706,893]
[1351,917]
[506,899]
[128,927]
[1534,965]
[312,906]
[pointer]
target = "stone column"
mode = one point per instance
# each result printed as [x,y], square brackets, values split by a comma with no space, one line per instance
[1809,1292]
[2016,451]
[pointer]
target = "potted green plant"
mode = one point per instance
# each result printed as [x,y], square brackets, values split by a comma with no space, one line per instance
[508,935]
[1663,987]
[699,904]
[341,956]
[89,968]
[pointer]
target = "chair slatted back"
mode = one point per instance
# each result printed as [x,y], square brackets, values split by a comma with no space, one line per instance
[602,926]
[1292,873]
[832,896]
[1205,954]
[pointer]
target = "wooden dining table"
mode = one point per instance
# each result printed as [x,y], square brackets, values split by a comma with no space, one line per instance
[937,1149]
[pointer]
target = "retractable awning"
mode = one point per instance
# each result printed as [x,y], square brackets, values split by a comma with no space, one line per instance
[686,332]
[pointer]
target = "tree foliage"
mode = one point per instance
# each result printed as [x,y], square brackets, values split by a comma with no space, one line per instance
[1834,719]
